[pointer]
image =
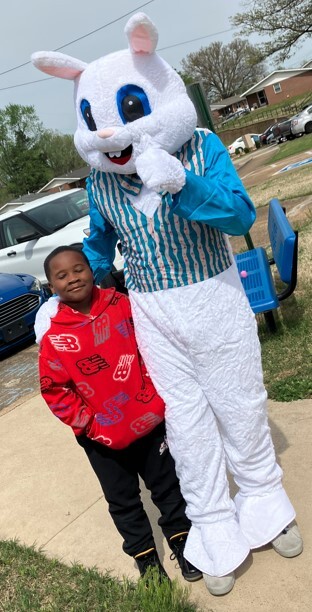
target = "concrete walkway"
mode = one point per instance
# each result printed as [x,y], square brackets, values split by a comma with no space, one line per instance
[51,498]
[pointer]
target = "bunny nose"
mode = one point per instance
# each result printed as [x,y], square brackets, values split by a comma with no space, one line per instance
[105,133]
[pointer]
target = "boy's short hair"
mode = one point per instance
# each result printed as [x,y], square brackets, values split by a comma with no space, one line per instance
[62,249]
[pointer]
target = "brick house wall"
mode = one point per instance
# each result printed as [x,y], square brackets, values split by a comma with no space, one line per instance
[294,86]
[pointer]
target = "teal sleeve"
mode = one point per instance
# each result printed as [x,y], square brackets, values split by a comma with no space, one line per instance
[219,197]
[100,245]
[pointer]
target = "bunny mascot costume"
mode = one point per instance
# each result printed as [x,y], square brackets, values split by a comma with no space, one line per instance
[170,193]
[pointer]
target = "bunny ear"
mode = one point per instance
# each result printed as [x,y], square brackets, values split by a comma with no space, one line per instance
[142,34]
[58,64]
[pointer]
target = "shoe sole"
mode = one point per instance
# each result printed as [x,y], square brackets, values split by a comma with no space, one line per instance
[221,591]
[193,578]
[295,552]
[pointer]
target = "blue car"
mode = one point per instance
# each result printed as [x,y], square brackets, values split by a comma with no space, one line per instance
[21,296]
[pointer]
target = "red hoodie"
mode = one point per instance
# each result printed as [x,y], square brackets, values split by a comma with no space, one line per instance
[92,376]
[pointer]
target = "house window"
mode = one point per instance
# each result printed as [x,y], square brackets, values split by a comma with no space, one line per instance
[277,87]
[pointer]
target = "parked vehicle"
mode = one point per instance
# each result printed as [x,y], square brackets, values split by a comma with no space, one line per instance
[302,122]
[31,231]
[228,118]
[239,145]
[21,295]
[239,113]
[282,131]
[276,133]
[268,136]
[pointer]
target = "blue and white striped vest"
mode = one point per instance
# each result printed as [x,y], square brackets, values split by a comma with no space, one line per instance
[164,251]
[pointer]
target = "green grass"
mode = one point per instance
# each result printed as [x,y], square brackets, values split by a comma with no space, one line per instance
[31,582]
[292,147]
[287,355]
[285,186]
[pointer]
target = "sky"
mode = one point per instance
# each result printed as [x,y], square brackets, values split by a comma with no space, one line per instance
[37,25]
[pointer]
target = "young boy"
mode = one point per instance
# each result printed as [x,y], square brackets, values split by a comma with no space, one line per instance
[93,379]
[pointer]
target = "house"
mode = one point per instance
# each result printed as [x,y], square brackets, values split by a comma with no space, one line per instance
[227,106]
[29,197]
[76,178]
[280,85]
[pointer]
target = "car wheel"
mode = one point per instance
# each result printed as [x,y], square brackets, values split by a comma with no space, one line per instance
[308,128]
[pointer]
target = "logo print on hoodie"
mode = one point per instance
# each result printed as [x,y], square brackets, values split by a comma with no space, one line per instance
[46,383]
[145,423]
[92,365]
[123,368]
[65,342]
[100,329]
[85,389]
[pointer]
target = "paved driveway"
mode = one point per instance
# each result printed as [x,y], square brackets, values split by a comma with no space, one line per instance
[19,377]
[254,168]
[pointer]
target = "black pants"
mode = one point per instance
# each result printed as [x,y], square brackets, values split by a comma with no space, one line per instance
[118,472]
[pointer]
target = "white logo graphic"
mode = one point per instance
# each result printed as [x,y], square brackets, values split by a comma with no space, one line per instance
[123,369]
[64,342]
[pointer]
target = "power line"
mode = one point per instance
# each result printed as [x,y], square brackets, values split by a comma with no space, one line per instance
[161,49]
[28,83]
[195,39]
[75,40]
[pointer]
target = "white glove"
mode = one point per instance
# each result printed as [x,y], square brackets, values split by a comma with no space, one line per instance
[160,171]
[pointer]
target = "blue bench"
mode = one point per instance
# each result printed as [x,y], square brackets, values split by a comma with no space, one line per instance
[255,266]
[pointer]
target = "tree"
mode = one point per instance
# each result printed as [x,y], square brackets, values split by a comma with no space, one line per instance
[23,167]
[60,152]
[284,22]
[30,155]
[225,70]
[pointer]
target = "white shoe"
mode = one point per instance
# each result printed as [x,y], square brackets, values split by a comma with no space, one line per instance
[219,585]
[288,543]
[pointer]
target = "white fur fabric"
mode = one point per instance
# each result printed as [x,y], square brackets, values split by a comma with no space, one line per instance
[165,129]
[44,315]
[201,347]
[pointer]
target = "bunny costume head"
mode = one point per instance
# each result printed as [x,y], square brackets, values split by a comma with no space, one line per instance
[125,101]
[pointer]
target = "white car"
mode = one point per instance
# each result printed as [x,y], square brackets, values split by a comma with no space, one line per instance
[239,145]
[302,122]
[31,231]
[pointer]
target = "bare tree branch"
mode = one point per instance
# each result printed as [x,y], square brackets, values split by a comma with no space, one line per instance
[225,70]
[286,22]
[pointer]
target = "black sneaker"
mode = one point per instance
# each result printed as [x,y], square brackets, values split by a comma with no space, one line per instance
[150,559]
[177,544]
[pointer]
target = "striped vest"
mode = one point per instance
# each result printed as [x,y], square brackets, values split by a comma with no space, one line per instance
[164,251]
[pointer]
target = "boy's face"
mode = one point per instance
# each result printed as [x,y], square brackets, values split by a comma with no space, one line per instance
[72,280]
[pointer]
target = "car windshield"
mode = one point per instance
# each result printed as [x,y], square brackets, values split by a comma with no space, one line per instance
[56,214]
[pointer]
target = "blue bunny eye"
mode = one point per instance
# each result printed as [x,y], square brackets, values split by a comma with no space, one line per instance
[85,108]
[132,103]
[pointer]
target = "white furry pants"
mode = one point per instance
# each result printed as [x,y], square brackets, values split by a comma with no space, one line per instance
[201,347]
